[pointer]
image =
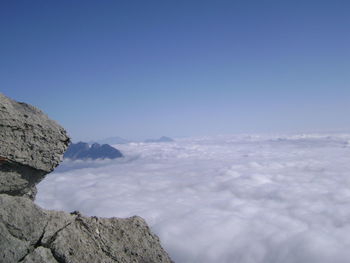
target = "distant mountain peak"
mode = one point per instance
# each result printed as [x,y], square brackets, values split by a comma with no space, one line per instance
[82,150]
[161,139]
[111,140]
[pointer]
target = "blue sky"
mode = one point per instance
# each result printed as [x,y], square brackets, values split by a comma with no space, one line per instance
[142,69]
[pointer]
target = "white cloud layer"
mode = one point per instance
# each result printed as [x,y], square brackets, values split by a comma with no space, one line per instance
[247,199]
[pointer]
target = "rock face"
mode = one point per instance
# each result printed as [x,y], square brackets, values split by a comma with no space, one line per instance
[31,146]
[30,234]
[82,150]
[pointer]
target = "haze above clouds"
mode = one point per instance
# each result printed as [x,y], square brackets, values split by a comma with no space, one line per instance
[179,68]
[247,199]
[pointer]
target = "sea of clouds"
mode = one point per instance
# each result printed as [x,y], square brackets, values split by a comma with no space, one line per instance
[239,198]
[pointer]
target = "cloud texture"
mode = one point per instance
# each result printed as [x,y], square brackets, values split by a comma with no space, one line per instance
[247,199]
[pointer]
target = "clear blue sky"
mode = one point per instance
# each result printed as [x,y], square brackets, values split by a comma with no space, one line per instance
[142,69]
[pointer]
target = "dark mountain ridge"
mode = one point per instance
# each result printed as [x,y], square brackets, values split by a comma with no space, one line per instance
[111,140]
[82,150]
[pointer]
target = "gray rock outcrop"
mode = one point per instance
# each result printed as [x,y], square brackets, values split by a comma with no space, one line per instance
[31,146]
[30,234]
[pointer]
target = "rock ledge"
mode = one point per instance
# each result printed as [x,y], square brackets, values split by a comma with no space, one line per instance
[31,234]
[32,145]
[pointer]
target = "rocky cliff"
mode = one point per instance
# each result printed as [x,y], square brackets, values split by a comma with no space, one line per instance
[32,145]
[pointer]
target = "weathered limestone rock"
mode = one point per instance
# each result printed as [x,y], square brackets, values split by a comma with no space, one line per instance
[31,145]
[30,234]
[40,255]
[21,225]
